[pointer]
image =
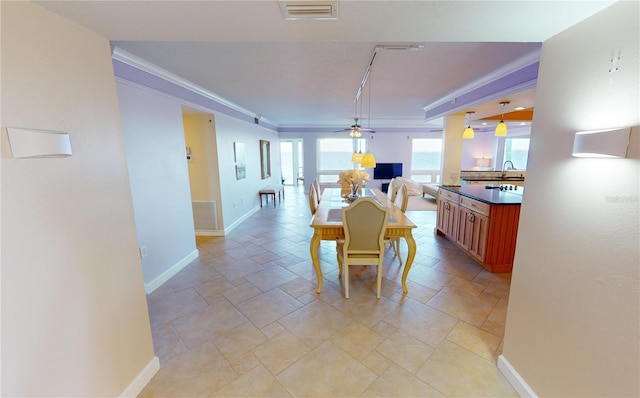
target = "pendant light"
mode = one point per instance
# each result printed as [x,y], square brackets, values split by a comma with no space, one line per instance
[501,128]
[368,160]
[356,157]
[468,132]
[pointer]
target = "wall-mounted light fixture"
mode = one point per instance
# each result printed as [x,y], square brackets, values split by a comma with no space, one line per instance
[31,143]
[483,163]
[501,128]
[468,132]
[602,143]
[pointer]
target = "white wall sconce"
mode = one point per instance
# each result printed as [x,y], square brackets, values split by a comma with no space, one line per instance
[483,163]
[31,143]
[602,143]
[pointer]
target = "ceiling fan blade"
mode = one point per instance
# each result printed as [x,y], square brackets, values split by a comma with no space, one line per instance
[343,130]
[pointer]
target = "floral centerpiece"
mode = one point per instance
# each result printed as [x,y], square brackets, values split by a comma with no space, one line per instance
[352,181]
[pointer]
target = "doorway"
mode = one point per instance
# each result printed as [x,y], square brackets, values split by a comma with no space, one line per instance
[291,159]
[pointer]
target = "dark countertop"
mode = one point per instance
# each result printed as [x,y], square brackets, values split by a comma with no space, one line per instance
[491,196]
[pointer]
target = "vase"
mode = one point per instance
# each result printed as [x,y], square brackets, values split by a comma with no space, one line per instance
[354,193]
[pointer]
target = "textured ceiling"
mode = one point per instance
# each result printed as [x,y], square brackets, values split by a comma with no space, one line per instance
[306,73]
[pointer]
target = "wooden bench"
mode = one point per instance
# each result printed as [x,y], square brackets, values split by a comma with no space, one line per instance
[272,191]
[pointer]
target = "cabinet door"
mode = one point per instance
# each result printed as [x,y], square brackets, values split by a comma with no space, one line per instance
[447,217]
[451,225]
[465,227]
[478,235]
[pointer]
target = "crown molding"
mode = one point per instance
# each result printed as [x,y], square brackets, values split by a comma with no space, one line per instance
[498,74]
[125,57]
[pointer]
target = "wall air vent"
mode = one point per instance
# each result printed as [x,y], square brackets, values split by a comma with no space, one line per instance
[296,9]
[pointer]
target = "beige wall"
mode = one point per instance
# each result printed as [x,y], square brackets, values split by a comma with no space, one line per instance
[573,318]
[452,151]
[200,136]
[74,315]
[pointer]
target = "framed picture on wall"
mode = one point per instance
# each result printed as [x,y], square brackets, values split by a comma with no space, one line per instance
[265,159]
[239,158]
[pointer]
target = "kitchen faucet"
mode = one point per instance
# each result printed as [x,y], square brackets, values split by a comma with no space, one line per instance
[504,167]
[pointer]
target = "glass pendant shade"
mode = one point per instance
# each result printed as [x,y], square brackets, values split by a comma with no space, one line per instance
[501,129]
[468,133]
[368,160]
[357,157]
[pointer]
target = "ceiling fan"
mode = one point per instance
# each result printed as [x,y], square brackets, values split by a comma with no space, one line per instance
[356,130]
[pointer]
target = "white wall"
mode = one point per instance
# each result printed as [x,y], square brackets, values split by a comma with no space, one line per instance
[74,314]
[240,197]
[482,145]
[155,146]
[573,318]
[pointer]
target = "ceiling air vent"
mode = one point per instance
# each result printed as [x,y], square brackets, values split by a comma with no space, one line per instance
[295,10]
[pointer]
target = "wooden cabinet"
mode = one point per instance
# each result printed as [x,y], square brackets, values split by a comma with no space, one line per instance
[447,214]
[473,228]
[486,232]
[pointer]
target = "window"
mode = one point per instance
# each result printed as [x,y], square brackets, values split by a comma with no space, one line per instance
[517,150]
[426,160]
[334,155]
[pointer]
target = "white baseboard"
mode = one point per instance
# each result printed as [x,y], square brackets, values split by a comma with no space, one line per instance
[240,220]
[139,383]
[514,378]
[209,232]
[165,276]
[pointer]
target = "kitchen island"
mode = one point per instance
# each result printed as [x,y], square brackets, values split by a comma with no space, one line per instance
[482,220]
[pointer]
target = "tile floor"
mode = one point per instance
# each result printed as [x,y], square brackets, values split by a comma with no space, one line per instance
[244,320]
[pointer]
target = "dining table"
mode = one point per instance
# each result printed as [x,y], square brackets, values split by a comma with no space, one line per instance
[327,225]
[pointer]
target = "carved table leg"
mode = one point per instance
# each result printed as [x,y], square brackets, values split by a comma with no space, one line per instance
[411,243]
[313,248]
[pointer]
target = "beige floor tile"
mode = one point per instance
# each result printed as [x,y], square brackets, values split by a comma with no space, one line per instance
[462,268]
[455,371]
[315,323]
[397,382]
[244,292]
[256,383]
[270,278]
[475,340]
[357,340]
[429,277]
[201,326]
[377,362]
[467,286]
[272,330]
[364,308]
[238,268]
[240,339]
[297,287]
[214,288]
[191,277]
[198,372]
[218,334]
[327,371]
[166,342]
[268,307]
[462,306]
[421,322]
[174,306]
[405,351]
[280,351]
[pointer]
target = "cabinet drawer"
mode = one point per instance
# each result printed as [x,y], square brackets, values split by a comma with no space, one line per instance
[454,197]
[475,205]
